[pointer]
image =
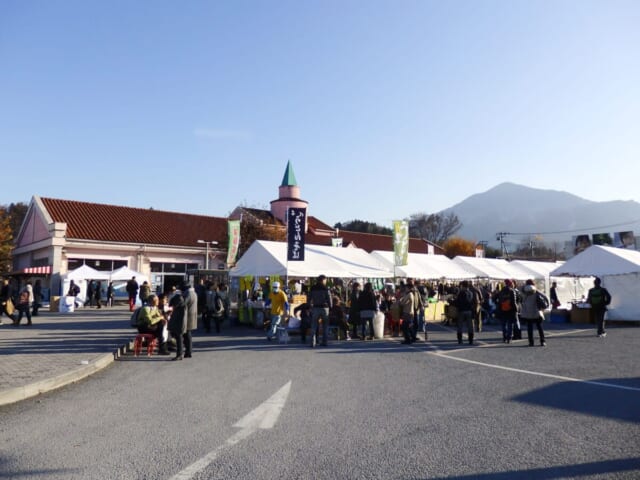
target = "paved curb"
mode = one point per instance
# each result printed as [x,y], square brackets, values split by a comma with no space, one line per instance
[34,389]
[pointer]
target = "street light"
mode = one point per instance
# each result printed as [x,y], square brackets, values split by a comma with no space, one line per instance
[207,243]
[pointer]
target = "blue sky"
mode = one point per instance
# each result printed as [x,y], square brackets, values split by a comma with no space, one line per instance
[385,108]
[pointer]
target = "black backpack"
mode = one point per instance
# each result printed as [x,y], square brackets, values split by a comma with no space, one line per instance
[542,302]
[134,317]
[599,297]
[465,300]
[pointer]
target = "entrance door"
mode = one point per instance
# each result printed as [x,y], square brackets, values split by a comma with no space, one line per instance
[172,281]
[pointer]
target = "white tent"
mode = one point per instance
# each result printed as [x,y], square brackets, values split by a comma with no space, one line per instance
[599,261]
[125,273]
[568,289]
[424,266]
[619,270]
[492,268]
[538,270]
[80,276]
[85,272]
[265,258]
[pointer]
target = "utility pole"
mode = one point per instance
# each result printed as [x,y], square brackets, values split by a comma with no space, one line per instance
[503,246]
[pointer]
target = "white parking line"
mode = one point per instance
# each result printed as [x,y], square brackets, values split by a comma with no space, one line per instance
[529,372]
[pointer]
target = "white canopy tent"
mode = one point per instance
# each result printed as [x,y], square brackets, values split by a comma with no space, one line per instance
[125,273]
[265,258]
[120,277]
[568,289]
[619,270]
[492,268]
[80,276]
[424,266]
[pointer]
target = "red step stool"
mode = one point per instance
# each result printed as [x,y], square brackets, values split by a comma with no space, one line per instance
[141,338]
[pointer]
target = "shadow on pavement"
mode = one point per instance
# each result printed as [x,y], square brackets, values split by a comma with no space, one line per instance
[606,467]
[590,399]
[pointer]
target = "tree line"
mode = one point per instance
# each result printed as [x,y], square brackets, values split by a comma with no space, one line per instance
[11,217]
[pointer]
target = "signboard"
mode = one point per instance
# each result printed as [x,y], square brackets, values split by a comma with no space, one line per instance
[602,239]
[296,221]
[581,243]
[401,242]
[336,242]
[234,241]
[624,240]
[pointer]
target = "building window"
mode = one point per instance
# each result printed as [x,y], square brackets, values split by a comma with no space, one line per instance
[101,264]
[168,267]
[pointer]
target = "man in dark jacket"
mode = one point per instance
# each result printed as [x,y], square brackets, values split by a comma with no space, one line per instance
[465,304]
[132,291]
[320,300]
[354,308]
[5,295]
[506,301]
[599,297]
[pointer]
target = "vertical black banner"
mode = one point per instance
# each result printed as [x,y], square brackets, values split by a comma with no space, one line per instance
[296,221]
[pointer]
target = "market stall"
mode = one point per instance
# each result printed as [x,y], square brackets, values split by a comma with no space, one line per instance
[265,258]
[619,270]
[424,266]
[268,260]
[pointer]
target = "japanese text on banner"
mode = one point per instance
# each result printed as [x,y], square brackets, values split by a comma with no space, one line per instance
[296,222]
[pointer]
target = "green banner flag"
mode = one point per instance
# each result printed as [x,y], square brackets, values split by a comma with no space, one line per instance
[401,242]
[234,241]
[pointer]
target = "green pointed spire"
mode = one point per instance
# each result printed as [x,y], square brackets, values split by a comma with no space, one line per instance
[289,179]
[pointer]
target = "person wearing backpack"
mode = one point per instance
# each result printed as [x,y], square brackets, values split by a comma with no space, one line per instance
[531,312]
[24,304]
[215,308]
[506,309]
[599,297]
[151,320]
[465,304]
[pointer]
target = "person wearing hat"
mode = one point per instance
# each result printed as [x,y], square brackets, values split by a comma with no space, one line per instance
[320,300]
[190,317]
[531,312]
[279,307]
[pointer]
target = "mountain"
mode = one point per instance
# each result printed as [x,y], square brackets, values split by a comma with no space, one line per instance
[525,212]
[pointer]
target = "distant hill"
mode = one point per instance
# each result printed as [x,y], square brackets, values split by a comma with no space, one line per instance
[517,209]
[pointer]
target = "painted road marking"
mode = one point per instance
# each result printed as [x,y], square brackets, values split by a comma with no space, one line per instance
[539,374]
[264,416]
[442,353]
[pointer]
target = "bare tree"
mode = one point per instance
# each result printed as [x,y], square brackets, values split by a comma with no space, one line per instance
[434,227]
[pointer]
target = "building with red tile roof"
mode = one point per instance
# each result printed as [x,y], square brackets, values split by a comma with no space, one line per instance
[60,235]
[65,234]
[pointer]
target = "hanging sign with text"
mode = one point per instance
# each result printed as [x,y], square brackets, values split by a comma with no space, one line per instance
[296,221]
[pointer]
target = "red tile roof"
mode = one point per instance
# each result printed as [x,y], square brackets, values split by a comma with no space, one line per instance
[110,223]
[315,224]
[367,241]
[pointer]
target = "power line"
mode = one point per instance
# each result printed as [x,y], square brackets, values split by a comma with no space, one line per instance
[574,231]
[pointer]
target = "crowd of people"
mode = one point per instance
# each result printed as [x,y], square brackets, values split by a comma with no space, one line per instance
[351,308]
[469,306]
[175,313]
[20,301]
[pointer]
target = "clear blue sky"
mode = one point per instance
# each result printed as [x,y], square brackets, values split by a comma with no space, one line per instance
[385,108]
